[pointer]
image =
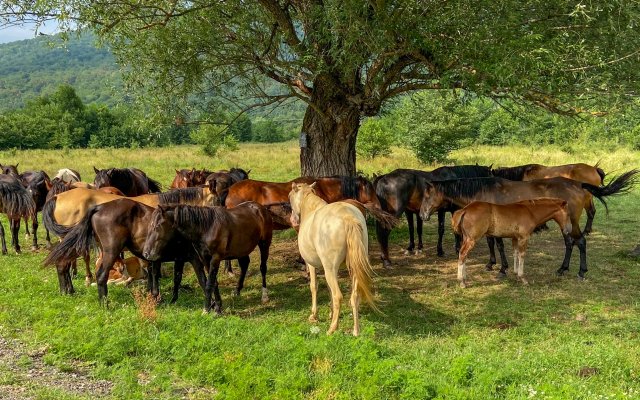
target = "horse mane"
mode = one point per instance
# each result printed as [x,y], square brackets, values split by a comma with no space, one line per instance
[127,174]
[58,186]
[466,187]
[470,171]
[512,173]
[200,217]
[154,186]
[14,199]
[349,185]
[181,196]
[238,174]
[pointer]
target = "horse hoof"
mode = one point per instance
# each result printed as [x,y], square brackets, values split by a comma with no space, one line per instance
[525,282]
[501,275]
[489,267]
[417,252]
[560,272]
[231,274]
[87,282]
[265,296]
[407,252]
[313,319]
[387,264]
[34,248]
[18,251]
[205,311]
[463,285]
[356,332]
[581,278]
[440,253]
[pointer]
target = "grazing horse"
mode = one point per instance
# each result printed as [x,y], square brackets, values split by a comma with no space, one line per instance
[216,234]
[118,225]
[578,195]
[516,221]
[400,191]
[131,181]
[16,203]
[329,236]
[38,185]
[68,175]
[220,182]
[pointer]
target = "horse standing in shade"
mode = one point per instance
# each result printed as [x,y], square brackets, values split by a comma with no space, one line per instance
[220,182]
[516,221]
[131,181]
[38,185]
[578,195]
[216,234]
[400,191]
[332,235]
[16,203]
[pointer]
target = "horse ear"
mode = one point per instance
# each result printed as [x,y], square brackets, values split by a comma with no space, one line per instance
[313,186]
[96,169]
[48,184]
[177,172]
[17,165]
[248,171]
[294,187]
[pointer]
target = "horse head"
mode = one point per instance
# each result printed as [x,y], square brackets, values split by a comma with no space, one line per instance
[296,196]
[10,169]
[161,231]
[432,200]
[103,177]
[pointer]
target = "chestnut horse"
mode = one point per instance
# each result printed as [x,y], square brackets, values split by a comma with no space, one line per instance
[516,221]
[131,181]
[16,203]
[332,235]
[216,234]
[578,195]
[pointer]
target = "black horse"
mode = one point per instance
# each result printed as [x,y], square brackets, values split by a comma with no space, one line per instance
[16,203]
[116,226]
[38,185]
[401,192]
[130,181]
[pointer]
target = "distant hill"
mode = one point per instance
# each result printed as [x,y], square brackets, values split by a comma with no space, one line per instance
[30,68]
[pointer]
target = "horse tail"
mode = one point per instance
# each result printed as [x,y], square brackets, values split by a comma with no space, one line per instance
[358,262]
[600,172]
[385,219]
[381,194]
[49,220]
[456,221]
[76,243]
[619,185]
[154,186]
[15,200]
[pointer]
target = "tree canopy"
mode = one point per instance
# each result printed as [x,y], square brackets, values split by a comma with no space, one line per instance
[346,59]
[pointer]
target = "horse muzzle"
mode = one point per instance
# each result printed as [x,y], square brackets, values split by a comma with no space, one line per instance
[149,256]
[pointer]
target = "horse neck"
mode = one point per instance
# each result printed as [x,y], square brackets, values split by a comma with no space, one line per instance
[310,203]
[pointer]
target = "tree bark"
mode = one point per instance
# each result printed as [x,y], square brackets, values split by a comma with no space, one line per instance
[329,130]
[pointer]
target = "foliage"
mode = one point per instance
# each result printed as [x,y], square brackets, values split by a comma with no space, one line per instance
[374,139]
[213,138]
[268,131]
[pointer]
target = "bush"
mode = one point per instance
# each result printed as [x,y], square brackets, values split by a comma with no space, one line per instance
[268,131]
[374,139]
[213,138]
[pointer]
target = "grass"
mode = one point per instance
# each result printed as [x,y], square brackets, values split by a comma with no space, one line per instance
[557,338]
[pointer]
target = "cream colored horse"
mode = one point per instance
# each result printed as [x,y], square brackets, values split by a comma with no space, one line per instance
[332,235]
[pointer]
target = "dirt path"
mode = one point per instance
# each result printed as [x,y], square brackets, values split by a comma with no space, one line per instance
[24,375]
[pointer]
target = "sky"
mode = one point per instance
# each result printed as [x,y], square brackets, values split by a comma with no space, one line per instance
[13,33]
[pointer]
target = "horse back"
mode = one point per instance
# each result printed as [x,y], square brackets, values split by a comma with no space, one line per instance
[260,192]
[578,172]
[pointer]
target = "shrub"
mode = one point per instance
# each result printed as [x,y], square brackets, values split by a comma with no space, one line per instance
[374,139]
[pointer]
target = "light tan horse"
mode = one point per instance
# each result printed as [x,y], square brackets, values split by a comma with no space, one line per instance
[332,235]
[516,221]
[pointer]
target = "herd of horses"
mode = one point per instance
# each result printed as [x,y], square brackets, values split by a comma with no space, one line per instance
[212,216]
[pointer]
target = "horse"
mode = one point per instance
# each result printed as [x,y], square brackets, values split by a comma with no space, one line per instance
[578,195]
[9,170]
[220,182]
[16,203]
[68,175]
[131,181]
[126,271]
[517,221]
[38,185]
[63,211]
[216,234]
[580,172]
[329,236]
[400,191]
[115,226]
[189,178]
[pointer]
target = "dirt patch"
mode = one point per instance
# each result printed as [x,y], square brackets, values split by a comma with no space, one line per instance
[24,374]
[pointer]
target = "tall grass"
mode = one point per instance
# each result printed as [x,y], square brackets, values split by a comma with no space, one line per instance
[496,339]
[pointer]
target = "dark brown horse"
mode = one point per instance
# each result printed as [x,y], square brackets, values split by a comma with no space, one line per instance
[400,191]
[16,203]
[216,234]
[220,182]
[131,181]
[578,195]
[116,226]
[9,169]
[38,185]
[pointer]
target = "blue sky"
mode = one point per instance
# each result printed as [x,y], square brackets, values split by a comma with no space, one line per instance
[14,33]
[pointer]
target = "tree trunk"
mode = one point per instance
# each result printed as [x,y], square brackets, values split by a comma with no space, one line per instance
[329,130]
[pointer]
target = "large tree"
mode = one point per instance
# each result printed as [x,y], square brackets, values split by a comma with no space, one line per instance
[345,59]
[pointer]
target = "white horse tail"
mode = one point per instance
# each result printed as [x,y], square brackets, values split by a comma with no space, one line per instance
[358,262]
[456,222]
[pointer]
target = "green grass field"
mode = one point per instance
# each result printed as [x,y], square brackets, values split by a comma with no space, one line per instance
[557,338]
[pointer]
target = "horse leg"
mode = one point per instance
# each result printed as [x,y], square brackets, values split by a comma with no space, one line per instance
[521,246]
[15,231]
[503,256]
[467,245]
[313,285]
[412,245]
[244,266]
[492,253]
[383,239]
[34,226]
[419,233]
[458,244]
[331,275]
[441,214]
[178,269]
[582,246]
[264,256]
[73,267]
[227,268]
[102,275]
[87,267]
[156,271]
[64,281]
[568,244]
[27,234]
[212,287]
[199,270]
[4,241]
[355,305]
[48,239]
[591,214]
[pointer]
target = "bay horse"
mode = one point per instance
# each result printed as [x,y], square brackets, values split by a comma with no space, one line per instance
[131,181]
[118,225]
[216,234]
[220,182]
[189,178]
[400,191]
[578,195]
[38,185]
[517,221]
[331,235]
[16,203]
